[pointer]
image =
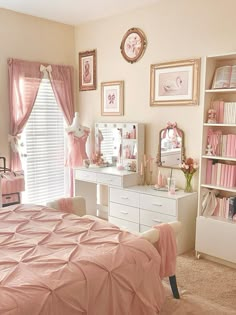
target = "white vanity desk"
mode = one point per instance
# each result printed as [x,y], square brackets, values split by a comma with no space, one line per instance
[137,208]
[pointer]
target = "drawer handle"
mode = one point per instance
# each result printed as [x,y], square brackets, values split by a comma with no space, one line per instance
[124,197]
[157,204]
[123,212]
[155,220]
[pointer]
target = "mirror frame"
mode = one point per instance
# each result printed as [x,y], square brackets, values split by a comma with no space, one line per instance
[158,157]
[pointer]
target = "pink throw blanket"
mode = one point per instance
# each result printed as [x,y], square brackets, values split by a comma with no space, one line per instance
[55,263]
[66,205]
[166,247]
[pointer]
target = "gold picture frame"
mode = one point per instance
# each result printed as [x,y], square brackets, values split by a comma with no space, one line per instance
[112,98]
[175,83]
[133,45]
[87,70]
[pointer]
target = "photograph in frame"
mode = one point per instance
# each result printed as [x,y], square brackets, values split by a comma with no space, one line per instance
[175,83]
[87,70]
[112,98]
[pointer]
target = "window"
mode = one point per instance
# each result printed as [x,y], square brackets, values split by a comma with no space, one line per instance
[45,146]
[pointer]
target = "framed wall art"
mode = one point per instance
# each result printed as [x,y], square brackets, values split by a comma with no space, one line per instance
[133,45]
[112,98]
[175,83]
[87,70]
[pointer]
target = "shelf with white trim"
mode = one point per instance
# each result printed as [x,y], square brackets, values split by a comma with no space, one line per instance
[214,233]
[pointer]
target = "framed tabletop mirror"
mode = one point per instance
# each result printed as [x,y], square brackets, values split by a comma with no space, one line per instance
[171,150]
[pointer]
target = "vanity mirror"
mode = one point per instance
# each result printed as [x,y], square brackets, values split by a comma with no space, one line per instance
[121,144]
[171,151]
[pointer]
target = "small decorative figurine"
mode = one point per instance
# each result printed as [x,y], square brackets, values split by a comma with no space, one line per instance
[208,150]
[211,116]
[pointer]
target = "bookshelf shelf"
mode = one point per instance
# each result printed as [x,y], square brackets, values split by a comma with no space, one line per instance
[218,139]
[220,91]
[233,189]
[219,125]
[222,158]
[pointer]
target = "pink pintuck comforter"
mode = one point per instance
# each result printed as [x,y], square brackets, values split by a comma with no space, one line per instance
[54,263]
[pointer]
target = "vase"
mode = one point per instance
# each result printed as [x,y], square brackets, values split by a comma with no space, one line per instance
[188,185]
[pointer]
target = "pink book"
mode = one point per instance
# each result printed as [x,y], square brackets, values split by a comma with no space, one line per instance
[233,146]
[226,179]
[216,210]
[228,143]
[228,146]
[216,106]
[218,175]
[222,177]
[208,171]
[221,112]
[214,173]
[232,181]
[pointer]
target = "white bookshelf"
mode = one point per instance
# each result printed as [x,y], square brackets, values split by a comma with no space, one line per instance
[215,235]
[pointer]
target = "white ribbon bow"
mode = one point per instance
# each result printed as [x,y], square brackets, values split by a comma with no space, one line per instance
[46,70]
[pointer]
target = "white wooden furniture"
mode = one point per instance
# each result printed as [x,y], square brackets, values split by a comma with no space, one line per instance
[88,180]
[138,208]
[215,235]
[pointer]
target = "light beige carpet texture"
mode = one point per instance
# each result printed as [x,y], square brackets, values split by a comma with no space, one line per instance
[206,288]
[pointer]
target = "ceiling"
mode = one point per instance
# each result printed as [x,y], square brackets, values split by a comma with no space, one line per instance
[74,12]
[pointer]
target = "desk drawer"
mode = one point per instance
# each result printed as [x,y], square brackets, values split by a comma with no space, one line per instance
[124,197]
[125,225]
[158,204]
[109,179]
[150,218]
[124,212]
[85,176]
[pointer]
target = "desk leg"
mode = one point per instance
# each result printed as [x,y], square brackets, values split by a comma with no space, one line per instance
[89,192]
[174,287]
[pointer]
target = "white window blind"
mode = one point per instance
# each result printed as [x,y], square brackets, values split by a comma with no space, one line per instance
[45,145]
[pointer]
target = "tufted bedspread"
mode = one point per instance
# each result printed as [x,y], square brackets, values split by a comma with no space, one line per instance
[54,263]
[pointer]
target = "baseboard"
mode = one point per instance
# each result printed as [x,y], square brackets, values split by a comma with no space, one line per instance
[216,260]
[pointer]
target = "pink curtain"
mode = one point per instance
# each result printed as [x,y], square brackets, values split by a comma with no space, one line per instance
[20,74]
[23,74]
[62,80]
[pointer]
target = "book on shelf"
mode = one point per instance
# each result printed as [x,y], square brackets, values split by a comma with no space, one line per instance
[225,111]
[225,207]
[224,77]
[220,174]
[222,144]
[232,207]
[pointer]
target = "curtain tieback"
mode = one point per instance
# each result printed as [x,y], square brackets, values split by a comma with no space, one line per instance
[14,142]
[46,70]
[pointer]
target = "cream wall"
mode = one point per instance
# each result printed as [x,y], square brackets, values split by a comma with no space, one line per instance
[29,38]
[174,30]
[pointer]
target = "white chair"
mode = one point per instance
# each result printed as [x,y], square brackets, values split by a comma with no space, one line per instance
[76,205]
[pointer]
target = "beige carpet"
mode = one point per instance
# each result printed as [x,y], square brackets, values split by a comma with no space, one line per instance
[205,288]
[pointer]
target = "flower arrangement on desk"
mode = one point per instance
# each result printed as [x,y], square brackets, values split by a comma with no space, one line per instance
[189,167]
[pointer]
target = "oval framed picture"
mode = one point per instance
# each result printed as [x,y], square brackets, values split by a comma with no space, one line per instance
[133,45]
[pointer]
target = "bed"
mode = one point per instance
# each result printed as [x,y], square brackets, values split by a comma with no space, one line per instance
[55,263]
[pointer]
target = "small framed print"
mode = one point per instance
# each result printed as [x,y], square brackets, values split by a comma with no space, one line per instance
[87,70]
[175,83]
[112,98]
[133,45]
